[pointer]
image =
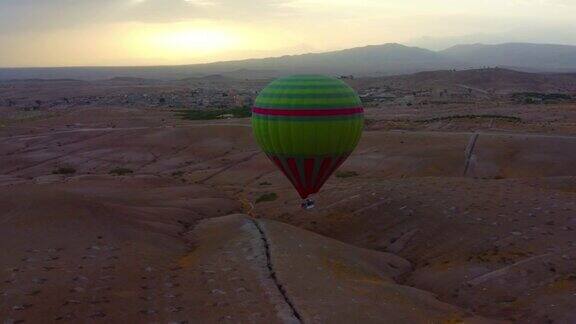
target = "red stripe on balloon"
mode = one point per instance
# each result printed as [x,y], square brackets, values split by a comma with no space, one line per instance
[335,165]
[294,170]
[309,173]
[321,173]
[280,166]
[307,112]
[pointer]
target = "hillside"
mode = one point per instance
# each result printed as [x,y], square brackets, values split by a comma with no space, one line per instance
[525,56]
[115,215]
[376,60]
[369,60]
[493,80]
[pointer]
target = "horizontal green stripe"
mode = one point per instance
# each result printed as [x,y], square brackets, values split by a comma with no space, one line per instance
[307,83]
[307,106]
[323,91]
[309,79]
[318,96]
[292,137]
[307,119]
[309,156]
[322,102]
[301,87]
[307,76]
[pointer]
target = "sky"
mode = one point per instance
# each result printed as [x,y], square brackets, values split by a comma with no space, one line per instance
[165,32]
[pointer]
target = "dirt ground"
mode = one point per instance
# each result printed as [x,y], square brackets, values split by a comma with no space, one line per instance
[113,215]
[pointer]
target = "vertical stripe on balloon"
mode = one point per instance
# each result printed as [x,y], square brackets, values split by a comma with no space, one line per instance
[307,125]
[309,172]
[293,167]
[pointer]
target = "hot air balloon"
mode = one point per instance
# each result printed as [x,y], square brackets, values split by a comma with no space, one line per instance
[307,125]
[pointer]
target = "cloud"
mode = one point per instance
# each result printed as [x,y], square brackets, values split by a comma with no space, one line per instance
[41,15]
[32,15]
[539,34]
[77,31]
[178,10]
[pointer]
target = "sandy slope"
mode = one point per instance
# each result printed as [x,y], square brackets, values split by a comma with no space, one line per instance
[497,242]
[93,248]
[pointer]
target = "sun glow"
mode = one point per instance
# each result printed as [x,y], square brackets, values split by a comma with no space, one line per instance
[195,39]
[137,43]
[208,41]
[181,41]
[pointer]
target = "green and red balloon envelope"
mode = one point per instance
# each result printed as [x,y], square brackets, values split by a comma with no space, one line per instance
[308,125]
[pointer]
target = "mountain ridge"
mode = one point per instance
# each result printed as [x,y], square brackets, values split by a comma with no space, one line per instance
[370,60]
[523,56]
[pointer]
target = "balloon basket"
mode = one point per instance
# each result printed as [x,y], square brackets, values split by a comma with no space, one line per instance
[308,204]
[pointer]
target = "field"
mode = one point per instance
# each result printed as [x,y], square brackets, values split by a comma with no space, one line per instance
[457,206]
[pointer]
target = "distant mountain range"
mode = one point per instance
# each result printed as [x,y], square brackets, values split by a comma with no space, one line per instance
[493,80]
[376,60]
[520,56]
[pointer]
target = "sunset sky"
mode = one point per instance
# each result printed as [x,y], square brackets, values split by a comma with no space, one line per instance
[158,32]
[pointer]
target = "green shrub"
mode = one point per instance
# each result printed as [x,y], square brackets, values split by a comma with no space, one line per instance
[512,119]
[536,97]
[64,170]
[346,174]
[121,171]
[267,197]
[209,114]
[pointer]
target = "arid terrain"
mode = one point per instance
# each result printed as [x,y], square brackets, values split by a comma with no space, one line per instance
[458,206]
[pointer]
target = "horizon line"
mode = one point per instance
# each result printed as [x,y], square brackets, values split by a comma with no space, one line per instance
[262,58]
